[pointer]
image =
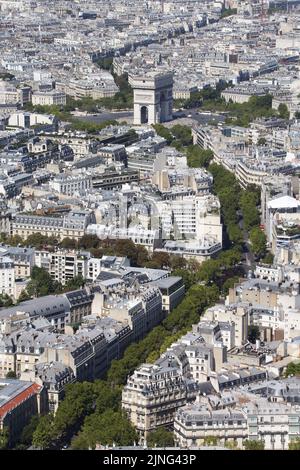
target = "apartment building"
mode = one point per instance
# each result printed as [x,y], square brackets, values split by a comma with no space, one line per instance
[172,291]
[12,186]
[193,217]
[265,294]
[48,98]
[23,259]
[195,422]
[140,307]
[24,119]
[273,423]
[64,265]
[238,314]
[242,94]
[59,310]
[7,276]
[274,187]
[80,302]
[54,377]
[138,234]
[172,180]
[113,153]
[282,219]
[152,395]
[19,401]
[291,324]
[72,225]
[71,184]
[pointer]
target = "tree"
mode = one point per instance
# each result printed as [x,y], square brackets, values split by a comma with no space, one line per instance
[261,141]
[258,241]
[153,356]
[198,157]
[23,296]
[183,134]
[248,203]
[210,441]
[105,63]
[6,300]
[228,12]
[233,445]
[209,270]
[107,397]
[164,132]
[69,243]
[254,445]
[229,283]
[11,375]
[80,442]
[235,234]
[159,260]
[78,402]
[4,438]
[38,240]
[43,435]
[294,444]
[42,283]
[3,237]
[108,428]
[75,283]
[268,259]
[253,333]
[161,437]
[28,430]
[292,369]
[15,240]
[89,241]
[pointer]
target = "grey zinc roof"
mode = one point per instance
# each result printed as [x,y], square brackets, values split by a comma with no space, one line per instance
[53,372]
[38,220]
[41,306]
[167,281]
[77,296]
[10,388]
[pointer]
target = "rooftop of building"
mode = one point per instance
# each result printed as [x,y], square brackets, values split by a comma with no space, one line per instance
[13,392]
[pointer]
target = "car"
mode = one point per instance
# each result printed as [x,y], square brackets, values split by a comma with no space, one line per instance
[189,115]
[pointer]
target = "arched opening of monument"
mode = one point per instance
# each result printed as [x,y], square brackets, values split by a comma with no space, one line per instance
[144,115]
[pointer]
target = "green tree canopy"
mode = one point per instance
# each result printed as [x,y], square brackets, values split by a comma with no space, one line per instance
[43,434]
[4,438]
[42,283]
[294,444]
[210,441]
[28,430]
[258,241]
[110,427]
[292,369]
[261,141]
[161,437]
[198,157]
[253,445]
[11,374]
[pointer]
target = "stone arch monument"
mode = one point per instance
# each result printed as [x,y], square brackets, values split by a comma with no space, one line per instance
[153,97]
